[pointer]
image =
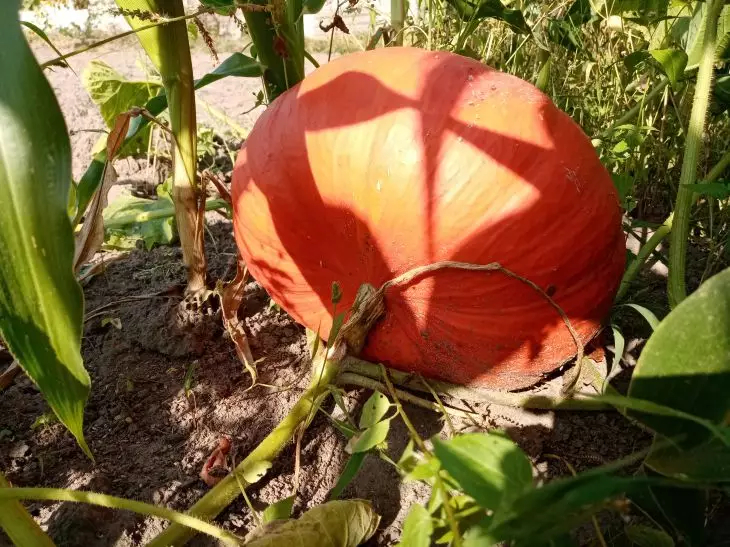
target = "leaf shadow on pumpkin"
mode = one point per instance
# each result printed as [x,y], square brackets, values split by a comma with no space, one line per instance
[464,327]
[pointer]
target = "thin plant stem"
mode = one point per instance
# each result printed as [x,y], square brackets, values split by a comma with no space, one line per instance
[647,249]
[114,502]
[399,407]
[364,381]
[662,232]
[121,221]
[124,34]
[499,398]
[634,111]
[692,149]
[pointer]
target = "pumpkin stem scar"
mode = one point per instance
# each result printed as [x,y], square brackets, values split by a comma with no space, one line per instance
[410,275]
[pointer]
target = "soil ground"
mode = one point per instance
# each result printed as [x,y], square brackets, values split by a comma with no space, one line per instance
[151,438]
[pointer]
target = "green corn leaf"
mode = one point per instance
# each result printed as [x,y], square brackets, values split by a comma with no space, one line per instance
[46,39]
[41,303]
[20,527]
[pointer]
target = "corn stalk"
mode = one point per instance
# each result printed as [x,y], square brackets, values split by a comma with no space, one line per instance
[168,48]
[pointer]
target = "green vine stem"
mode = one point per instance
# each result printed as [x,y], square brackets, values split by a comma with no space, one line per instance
[693,146]
[228,489]
[361,368]
[662,232]
[121,220]
[366,310]
[351,378]
[632,271]
[113,502]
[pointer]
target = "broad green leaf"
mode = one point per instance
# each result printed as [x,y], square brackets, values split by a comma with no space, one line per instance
[369,438]
[645,536]
[281,510]
[685,364]
[41,303]
[680,511]
[17,523]
[478,535]
[492,9]
[718,190]
[114,94]
[353,465]
[545,513]
[333,524]
[128,219]
[374,409]
[424,471]
[256,471]
[672,61]
[417,528]
[708,462]
[696,35]
[237,64]
[491,468]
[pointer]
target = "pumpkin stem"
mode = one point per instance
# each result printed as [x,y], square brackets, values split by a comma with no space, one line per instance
[410,275]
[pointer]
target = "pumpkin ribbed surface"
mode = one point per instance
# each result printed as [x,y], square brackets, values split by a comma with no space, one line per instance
[382,161]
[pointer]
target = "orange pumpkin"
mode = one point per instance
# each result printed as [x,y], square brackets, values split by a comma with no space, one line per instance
[382,161]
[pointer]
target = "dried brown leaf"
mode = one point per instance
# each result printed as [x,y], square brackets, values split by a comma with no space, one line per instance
[91,236]
[231,295]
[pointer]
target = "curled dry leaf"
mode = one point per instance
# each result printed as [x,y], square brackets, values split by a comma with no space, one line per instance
[345,523]
[91,236]
[231,295]
[215,468]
